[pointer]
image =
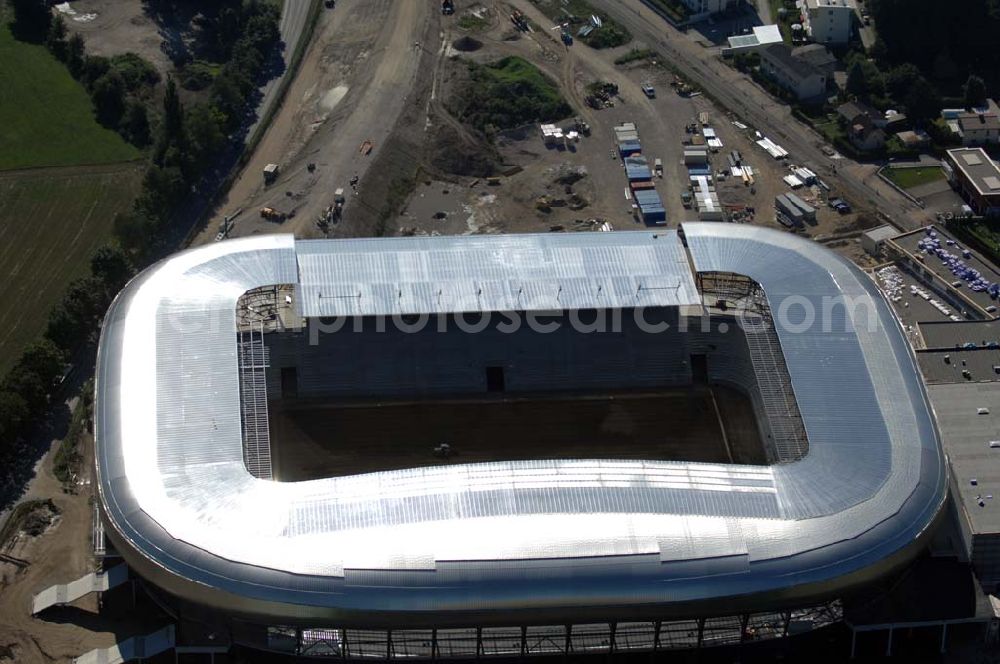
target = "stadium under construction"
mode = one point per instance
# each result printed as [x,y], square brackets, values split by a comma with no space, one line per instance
[478,446]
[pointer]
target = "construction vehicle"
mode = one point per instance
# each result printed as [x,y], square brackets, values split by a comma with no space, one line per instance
[519,20]
[270,173]
[447,7]
[366,147]
[581,126]
[567,37]
[271,214]
[444,451]
[338,202]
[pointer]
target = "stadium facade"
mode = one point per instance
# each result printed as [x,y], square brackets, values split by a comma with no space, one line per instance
[467,560]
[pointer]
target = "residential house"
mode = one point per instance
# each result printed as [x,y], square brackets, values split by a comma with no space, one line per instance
[980,128]
[818,56]
[802,79]
[857,111]
[865,136]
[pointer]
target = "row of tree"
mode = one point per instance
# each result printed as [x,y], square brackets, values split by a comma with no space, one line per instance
[185,144]
[946,41]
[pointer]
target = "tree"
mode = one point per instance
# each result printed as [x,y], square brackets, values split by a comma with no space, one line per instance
[206,137]
[13,416]
[173,113]
[975,92]
[172,128]
[856,83]
[72,322]
[94,67]
[139,234]
[112,267]
[922,101]
[228,98]
[162,187]
[55,41]
[44,359]
[31,19]
[75,53]
[900,79]
[109,99]
[135,124]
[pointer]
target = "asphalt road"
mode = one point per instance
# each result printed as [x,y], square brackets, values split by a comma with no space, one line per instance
[734,92]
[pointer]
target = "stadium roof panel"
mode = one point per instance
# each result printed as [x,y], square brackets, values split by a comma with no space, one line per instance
[430,275]
[511,541]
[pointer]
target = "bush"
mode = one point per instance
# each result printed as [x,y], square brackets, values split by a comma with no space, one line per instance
[197,75]
[508,94]
[608,35]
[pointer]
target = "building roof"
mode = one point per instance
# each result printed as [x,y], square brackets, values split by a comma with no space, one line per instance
[852,110]
[978,168]
[910,243]
[979,122]
[781,55]
[428,275]
[940,367]
[529,539]
[951,335]
[881,233]
[762,35]
[817,55]
[966,436]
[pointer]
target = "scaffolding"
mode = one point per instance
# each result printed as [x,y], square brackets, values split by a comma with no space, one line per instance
[253,364]
[725,291]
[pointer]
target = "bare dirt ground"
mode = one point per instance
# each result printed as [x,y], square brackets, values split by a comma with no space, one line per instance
[112,27]
[59,555]
[353,85]
[324,439]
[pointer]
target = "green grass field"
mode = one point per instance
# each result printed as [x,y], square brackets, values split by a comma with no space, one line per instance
[907,178]
[46,118]
[51,221]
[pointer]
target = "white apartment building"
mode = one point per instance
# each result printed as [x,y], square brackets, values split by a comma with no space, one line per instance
[828,21]
[702,8]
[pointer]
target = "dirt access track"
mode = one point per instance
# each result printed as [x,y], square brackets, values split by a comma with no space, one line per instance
[365,60]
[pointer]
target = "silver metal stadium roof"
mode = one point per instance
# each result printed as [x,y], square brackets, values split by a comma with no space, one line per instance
[491,273]
[512,542]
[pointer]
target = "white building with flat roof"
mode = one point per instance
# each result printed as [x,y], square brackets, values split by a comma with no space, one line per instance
[828,21]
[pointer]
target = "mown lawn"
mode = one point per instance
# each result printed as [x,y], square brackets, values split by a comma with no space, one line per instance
[51,222]
[907,178]
[46,118]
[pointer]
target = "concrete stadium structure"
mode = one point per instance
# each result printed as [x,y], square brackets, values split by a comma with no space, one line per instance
[470,560]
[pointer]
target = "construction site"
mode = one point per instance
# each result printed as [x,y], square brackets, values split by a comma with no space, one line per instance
[631,143]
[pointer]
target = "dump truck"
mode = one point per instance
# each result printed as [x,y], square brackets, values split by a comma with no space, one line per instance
[270,173]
